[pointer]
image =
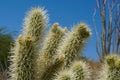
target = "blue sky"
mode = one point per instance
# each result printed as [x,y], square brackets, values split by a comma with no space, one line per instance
[66,12]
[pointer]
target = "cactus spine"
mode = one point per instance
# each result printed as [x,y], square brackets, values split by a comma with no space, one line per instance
[74,43]
[69,49]
[111,69]
[80,70]
[58,52]
[26,47]
[64,75]
[35,24]
[48,51]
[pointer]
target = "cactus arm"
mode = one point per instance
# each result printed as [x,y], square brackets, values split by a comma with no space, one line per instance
[74,43]
[48,52]
[27,46]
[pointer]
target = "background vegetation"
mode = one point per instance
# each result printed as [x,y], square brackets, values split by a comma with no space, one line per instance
[6,40]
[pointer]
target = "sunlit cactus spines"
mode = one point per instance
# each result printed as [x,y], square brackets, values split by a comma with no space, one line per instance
[49,49]
[52,41]
[111,68]
[51,57]
[64,75]
[74,43]
[35,23]
[23,59]
[80,70]
[70,48]
[26,47]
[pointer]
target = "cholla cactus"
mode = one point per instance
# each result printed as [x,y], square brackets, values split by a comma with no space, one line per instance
[111,68]
[26,46]
[48,51]
[69,49]
[64,75]
[52,42]
[57,52]
[74,43]
[80,70]
[35,24]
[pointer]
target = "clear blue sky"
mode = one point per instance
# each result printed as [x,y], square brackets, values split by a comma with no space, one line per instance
[66,12]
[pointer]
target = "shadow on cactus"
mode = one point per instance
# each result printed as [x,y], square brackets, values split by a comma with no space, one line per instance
[55,58]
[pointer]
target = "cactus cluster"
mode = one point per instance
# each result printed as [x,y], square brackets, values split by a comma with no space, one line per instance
[111,68]
[56,56]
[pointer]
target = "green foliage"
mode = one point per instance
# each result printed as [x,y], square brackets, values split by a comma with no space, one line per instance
[5,43]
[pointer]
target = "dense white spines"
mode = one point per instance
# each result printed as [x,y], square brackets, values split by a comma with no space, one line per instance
[111,68]
[52,42]
[35,23]
[26,47]
[23,59]
[48,52]
[74,43]
[80,70]
[64,75]
[57,52]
